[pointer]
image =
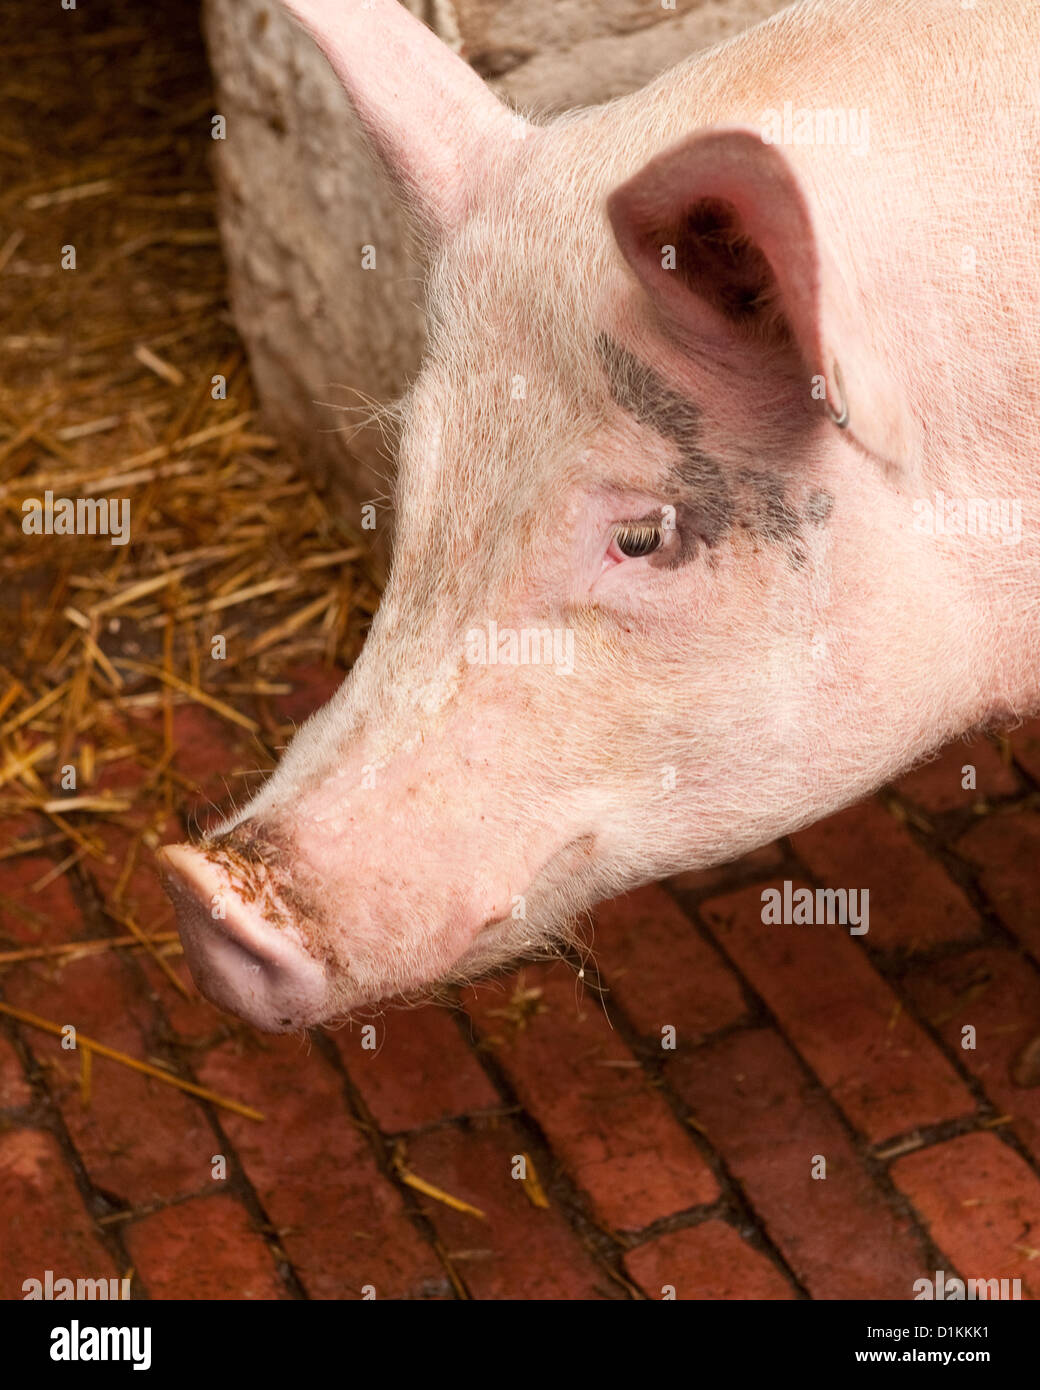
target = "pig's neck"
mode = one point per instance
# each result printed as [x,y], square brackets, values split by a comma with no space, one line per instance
[917,652]
[1009,596]
[943,627]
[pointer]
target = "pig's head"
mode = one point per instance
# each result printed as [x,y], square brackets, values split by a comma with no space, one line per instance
[648,487]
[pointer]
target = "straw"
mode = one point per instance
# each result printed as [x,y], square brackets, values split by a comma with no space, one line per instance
[146,1068]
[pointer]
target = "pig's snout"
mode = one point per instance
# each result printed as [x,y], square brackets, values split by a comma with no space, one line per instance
[240,959]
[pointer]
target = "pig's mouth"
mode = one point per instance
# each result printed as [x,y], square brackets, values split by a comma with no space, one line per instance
[557,891]
[260,946]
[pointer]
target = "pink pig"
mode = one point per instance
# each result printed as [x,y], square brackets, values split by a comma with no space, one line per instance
[717,490]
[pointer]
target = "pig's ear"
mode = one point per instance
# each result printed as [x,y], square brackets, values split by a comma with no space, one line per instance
[748,268]
[430,118]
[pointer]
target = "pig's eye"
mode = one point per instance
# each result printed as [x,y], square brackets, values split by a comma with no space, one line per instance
[635,538]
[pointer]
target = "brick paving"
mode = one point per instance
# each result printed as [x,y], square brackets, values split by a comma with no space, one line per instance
[719,1109]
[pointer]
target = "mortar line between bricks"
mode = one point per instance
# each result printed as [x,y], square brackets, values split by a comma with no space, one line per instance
[993,931]
[45,1114]
[687,1217]
[86,895]
[605,1244]
[940,845]
[944,836]
[893,978]
[892,968]
[946,1129]
[876,1168]
[1033,783]
[379,1144]
[733,1205]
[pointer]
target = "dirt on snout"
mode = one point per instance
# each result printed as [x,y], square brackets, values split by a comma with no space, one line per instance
[263,867]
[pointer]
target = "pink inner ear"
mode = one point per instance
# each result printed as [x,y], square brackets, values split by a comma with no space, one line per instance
[746,252]
[757,270]
[719,263]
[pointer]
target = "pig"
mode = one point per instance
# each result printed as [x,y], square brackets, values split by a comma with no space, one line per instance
[711,372]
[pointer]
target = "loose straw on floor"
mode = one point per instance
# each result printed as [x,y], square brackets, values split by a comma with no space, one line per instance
[34,1021]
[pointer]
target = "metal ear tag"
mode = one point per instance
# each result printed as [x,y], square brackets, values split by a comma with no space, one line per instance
[842,419]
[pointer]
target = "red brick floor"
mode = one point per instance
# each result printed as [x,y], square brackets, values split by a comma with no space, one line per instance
[734,1110]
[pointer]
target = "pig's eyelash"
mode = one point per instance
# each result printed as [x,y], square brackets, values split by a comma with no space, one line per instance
[636,538]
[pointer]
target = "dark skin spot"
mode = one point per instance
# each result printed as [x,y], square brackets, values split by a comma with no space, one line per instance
[773,517]
[818,508]
[712,502]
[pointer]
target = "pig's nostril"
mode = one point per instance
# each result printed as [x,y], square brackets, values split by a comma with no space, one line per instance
[239,959]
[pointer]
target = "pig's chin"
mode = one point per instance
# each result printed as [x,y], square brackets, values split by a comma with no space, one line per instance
[567,883]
